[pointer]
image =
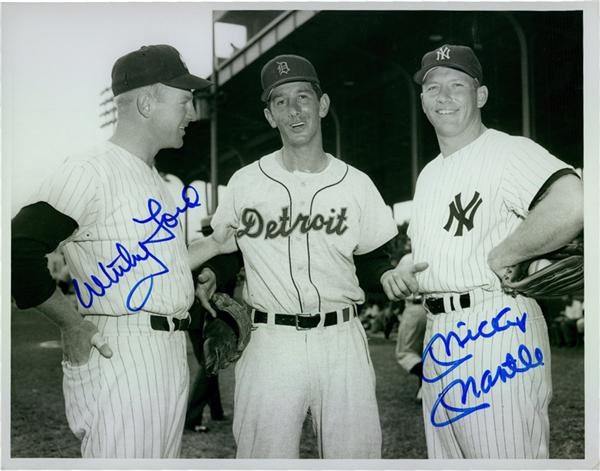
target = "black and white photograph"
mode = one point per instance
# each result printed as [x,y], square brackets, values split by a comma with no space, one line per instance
[302,235]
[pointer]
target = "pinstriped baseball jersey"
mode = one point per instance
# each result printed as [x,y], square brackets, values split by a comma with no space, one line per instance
[133,404]
[468,202]
[103,190]
[486,367]
[298,232]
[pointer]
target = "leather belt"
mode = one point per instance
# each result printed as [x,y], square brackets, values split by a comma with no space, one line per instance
[162,323]
[436,305]
[305,321]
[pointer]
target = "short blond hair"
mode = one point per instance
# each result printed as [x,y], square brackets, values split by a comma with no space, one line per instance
[125,99]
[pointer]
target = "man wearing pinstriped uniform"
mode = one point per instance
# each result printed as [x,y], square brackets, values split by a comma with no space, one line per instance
[486,203]
[124,353]
[301,216]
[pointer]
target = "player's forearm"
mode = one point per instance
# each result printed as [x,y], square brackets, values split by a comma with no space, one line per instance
[202,250]
[60,310]
[556,220]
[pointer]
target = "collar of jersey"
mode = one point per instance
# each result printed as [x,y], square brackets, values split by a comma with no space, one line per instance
[334,171]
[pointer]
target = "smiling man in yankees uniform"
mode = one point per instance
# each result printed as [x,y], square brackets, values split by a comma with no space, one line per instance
[486,360]
[124,353]
[302,217]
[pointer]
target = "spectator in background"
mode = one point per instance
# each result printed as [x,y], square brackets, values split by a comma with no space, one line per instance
[393,313]
[205,390]
[571,321]
[409,341]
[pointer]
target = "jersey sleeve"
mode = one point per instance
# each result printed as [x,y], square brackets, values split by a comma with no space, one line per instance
[377,225]
[528,168]
[226,213]
[72,190]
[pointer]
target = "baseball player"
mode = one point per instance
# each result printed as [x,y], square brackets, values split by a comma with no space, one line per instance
[125,364]
[487,202]
[300,217]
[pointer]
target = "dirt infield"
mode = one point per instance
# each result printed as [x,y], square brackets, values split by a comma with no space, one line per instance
[39,427]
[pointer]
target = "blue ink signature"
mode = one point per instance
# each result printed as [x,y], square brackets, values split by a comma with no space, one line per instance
[507,370]
[125,261]
[498,324]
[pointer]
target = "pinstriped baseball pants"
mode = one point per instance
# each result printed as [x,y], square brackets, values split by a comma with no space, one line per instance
[508,368]
[133,404]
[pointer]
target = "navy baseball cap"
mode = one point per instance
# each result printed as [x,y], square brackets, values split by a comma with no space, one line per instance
[283,69]
[455,57]
[153,64]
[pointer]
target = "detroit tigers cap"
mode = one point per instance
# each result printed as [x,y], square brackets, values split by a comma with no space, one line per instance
[283,69]
[153,64]
[455,57]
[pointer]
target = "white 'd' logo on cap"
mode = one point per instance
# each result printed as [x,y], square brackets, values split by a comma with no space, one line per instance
[282,68]
[442,53]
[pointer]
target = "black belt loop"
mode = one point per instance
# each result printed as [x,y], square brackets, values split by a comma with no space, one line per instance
[162,323]
[331,318]
[436,305]
[260,317]
[304,321]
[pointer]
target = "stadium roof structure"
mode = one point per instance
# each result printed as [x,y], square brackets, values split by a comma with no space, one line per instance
[532,64]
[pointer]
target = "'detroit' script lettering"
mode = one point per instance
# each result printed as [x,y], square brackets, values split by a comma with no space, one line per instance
[254,225]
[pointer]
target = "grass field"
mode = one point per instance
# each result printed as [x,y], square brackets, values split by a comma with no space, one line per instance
[39,427]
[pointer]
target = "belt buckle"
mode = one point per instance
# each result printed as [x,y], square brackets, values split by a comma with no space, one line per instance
[296,316]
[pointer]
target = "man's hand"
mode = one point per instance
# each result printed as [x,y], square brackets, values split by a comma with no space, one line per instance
[401,282]
[499,266]
[205,288]
[78,340]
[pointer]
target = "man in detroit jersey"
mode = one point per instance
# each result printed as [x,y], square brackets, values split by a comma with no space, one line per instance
[301,217]
[125,365]
[486,203]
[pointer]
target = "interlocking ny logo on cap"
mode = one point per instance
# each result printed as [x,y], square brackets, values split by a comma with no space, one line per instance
[282,68]
[443,53]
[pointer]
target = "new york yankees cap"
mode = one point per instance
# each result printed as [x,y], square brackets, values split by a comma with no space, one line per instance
[283,69]
[455,57]
[153,64]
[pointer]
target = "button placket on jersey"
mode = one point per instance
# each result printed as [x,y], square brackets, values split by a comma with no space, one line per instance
[300,250]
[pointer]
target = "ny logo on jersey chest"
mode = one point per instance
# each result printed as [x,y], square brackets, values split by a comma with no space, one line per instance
[463,216]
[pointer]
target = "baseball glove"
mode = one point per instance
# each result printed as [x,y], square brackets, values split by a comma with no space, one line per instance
[227,335]
[553,275]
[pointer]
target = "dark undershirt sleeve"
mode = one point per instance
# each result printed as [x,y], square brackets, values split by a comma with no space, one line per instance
[370,267]
[548,183]
[36,230]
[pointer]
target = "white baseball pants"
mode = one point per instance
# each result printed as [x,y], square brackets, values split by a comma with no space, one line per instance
[284,372]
